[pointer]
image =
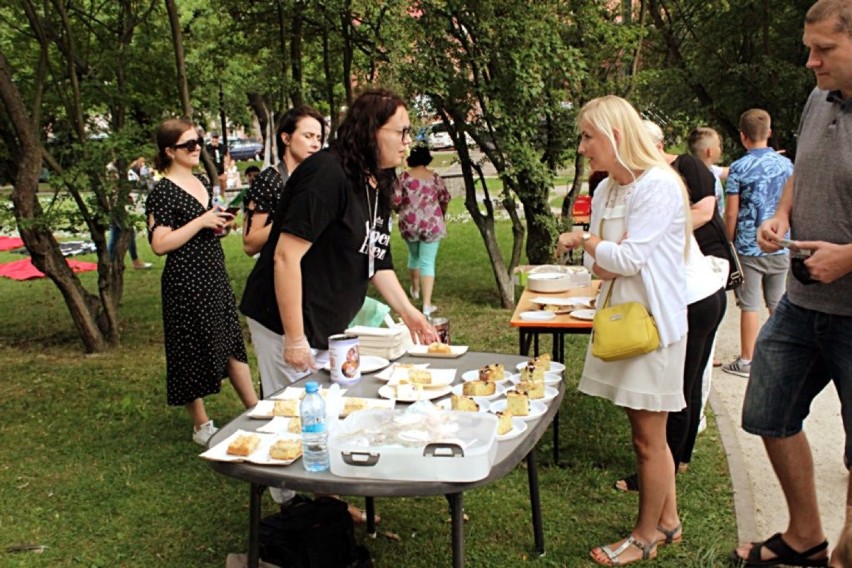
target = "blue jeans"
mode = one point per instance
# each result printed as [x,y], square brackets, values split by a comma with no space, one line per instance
[421,256]
[798,352]
[114,234]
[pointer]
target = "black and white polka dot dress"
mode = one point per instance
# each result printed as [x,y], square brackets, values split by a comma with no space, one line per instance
[200,319]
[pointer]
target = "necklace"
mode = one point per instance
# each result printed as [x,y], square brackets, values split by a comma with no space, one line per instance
[371,233]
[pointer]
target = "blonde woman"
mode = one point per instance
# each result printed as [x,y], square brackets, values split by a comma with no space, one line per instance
[641,214]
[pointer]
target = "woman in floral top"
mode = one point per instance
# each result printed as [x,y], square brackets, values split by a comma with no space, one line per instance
[421,199]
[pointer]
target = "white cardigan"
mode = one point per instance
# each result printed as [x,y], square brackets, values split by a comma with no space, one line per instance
[654,245]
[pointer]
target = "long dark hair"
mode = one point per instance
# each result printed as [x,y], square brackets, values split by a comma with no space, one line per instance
[167,135]
[289,121]
[356,139]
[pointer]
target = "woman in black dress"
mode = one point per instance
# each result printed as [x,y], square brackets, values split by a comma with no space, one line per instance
[203,339]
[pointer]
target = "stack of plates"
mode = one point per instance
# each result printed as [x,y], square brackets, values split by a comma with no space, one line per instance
[390,343]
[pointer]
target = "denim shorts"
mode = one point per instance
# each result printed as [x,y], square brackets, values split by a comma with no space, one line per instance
[767,274]
[798,352]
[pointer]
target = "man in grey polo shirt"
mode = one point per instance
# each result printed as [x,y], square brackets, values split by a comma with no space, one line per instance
[807,341]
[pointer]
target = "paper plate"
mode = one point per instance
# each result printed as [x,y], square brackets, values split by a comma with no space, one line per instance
[555,367]
[474,376]
[537,316]
[518,428]
[446,404]
[499,390]
[537,408]
[423,351]
[587,315]
[549,378]
[389,391]
[549,394]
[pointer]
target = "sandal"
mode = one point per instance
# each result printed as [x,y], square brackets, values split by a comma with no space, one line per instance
[784,555]
[649,552]
[630,482]
[672,536]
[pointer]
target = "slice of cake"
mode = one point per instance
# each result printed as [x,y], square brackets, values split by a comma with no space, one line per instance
[419,376]
[504,422]
[244,444]
[294,426]
[543,362]
[479,388]
[533,389]
[529,371]
[517,403]
[492,373]
[463,403]
[286,407]
[351,405]
[438,348]
[286,449]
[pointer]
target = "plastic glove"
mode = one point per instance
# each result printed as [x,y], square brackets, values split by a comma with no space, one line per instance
[297,354]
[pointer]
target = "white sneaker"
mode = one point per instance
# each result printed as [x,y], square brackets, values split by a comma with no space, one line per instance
[143,266]
[203,434]
[415,295]
[429,310]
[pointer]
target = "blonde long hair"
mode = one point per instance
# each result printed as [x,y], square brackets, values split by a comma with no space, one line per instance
[637,151]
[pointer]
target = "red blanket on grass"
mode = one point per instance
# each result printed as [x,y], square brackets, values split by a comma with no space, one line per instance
[10,243]
[24,270]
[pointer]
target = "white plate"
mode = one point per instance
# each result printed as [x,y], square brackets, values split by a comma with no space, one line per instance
[473,375]
[446,404]
[260,455]
[264,408]
[499,390]
[578,301]
[586,315]
[518,428]
[537,408]
[389,391]
[440,377]
[555,367]
[369,364]
[299,392]
[372,403]
[395,369]
[278,424]
[549,394]
[537,316]
[549,378]
[422,351]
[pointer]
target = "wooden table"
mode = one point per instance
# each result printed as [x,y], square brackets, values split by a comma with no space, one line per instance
[558,327]
[509,454]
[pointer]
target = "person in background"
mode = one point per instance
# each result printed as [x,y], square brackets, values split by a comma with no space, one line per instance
[138,174]
[421,198]
[706,301]
[755,184]
[203,339]
[219,154]
[705,144]
[251,174]
[300,134]
[642,215]
[805,344]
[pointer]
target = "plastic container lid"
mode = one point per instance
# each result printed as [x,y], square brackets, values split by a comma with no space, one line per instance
[311,386]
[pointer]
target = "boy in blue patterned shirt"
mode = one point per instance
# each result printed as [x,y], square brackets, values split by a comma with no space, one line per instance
[754,187]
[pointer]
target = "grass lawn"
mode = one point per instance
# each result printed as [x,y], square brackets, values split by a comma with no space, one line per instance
[98,469]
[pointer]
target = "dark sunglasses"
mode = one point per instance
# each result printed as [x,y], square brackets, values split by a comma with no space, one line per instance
[189,145]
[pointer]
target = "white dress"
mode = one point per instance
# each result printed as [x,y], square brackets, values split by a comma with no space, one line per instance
[648,382]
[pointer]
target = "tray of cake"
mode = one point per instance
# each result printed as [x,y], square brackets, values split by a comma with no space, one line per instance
[413,446]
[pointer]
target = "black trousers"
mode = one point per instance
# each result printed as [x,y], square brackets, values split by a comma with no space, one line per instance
[704,317]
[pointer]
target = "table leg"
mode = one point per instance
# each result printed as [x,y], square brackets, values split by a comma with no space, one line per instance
[370,505]
[457,515]
[535,502]
[256,491]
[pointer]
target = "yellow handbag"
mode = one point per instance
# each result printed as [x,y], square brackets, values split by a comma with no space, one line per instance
[623,331]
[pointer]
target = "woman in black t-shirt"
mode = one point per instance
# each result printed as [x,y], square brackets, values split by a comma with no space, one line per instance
[331,235]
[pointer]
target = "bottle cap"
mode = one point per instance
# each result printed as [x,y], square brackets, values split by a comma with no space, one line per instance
[311,386]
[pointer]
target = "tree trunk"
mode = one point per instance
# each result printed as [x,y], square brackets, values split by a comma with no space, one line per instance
[41,244]
[576,186]
[541,230]
[296,59]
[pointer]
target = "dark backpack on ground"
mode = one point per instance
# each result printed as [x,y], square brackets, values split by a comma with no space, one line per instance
[312,533]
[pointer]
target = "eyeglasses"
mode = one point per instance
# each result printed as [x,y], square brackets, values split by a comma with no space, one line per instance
[403,132]
[189,145]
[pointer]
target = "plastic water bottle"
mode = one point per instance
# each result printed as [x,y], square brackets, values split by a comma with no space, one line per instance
[314,432]
[219,205]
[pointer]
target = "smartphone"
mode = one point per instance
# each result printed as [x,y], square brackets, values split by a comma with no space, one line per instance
[794,250]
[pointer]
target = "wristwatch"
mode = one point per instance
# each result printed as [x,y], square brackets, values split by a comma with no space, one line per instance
[586,236]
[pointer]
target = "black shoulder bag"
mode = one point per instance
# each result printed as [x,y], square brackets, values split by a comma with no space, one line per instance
[735,271]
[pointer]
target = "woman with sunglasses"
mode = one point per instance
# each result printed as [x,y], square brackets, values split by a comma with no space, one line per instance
[203,339]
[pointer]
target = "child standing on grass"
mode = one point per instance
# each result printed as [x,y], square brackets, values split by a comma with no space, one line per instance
[203,338]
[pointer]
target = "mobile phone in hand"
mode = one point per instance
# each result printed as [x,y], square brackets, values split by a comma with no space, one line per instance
[794,249]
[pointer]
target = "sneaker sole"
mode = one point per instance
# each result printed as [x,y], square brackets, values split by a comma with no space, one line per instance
[744,374]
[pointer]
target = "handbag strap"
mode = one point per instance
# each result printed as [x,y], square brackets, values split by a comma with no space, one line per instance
[612,282]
